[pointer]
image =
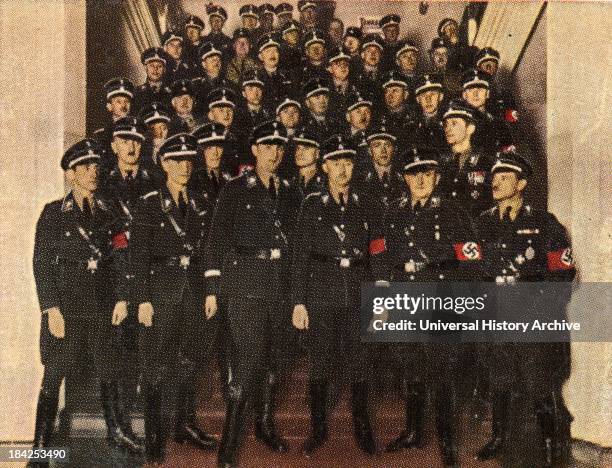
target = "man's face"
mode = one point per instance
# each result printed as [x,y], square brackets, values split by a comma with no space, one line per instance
[178,171]
[306,155]
[193,34]
[489,67]
[155,70]
[429,101]
[339,171]
[371,56]
[119,106]
[212,156]
[339,69]
[335,32]
[506,184]
[407,61]
[182,104]
[268,156]
[269,57]
[253,94]
[158,130]
[360,117]
[391,33]
[457,130]
[84,177]
[318,103]
[222,114]
[212,65]
[352,44]
[249,22]
[439,57]
[174,49]
[421,184]
[308,16]
[216,23]
[381,151]
[127,150]
[476,96]
[395,96]
[242,46]
[289,116]
[292,37]
[315,52]
[451,33]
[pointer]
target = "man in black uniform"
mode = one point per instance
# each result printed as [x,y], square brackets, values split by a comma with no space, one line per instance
[119,94]
[522,244]
[382,178]
[397,113]
[184,118]
[153,89]
[288,112]
[221,110]
[341,87]
[291,54]
[359,118]
[308,14]
[277,81]
[439,57]
[426,126]
[250,20]
[303,153]
[266,18]
[466,170]
[319,119]
[176,68]
[337,237]
[210,75]
[168,232]
[390,26]
[492,133]
[157,118]
[217,16]
[211,174]
[423,234]
[352,43]
[313,65]
[247,268]
[407,62]
[193,28]
[82,298]
[371,71]
[255,108]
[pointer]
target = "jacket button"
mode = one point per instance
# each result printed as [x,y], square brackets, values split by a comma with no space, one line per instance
[67,233]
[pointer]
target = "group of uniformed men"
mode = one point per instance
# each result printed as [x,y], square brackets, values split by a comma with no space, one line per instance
[255,182]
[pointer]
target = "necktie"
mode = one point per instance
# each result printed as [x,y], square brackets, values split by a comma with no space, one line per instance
[86,213]
[506,217]
[342,200]
[272,188]
[214,182]
[130,186]
[385,179]
[182,205]
[303,182]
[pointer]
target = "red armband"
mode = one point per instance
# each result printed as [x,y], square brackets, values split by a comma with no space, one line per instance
[244,167]
[560,260]
[511,116]
[377,246]
[467,251]
[120,240]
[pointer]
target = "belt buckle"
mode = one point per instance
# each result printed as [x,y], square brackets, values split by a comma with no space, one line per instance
[92,265]
[184,261]
[275,254]
[410,267]
[345,262]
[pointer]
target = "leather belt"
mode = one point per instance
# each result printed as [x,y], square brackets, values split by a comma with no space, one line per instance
[342,262]
[263,254]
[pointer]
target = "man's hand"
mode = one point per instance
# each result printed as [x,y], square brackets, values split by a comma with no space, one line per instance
[145,314]
[210,306]
[300,317]
[56,322]
[120,312]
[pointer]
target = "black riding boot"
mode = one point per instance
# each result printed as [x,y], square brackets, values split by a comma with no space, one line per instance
[554,420]
[186,429]
[265,429]
[445,425]
[414,396]
[318,416]
[499,426]
[114,434]
[234,420]
[46,411]
[135,444]
[361,420]
[154,436]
